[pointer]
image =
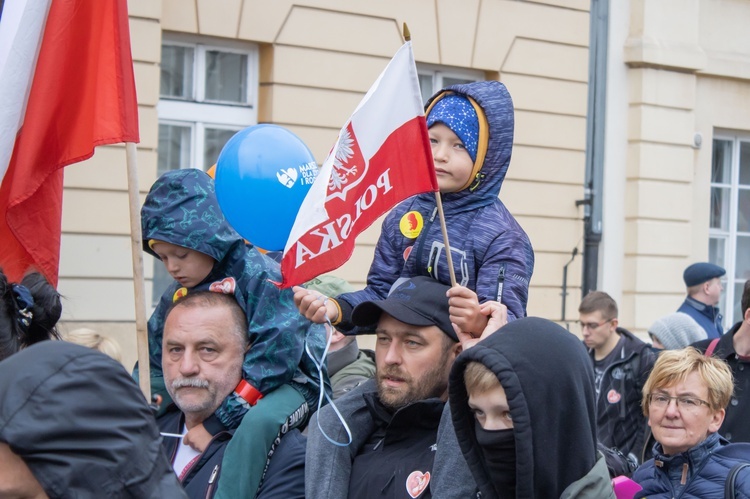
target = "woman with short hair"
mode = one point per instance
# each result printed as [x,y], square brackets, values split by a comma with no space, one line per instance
[684,400]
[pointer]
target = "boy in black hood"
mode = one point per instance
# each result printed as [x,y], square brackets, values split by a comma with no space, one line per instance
[537,436]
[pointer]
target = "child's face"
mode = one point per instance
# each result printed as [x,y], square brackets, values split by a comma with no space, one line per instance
[491,409]
[453,165]
[186,266]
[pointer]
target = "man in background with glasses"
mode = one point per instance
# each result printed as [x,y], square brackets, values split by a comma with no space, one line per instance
[621,365]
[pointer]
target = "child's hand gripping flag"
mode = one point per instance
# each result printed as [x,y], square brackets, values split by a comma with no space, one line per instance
[381,157]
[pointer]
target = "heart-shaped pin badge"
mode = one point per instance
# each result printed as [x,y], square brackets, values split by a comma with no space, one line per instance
[417,483]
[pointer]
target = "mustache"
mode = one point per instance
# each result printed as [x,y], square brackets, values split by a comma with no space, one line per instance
[393,372]
[189,383]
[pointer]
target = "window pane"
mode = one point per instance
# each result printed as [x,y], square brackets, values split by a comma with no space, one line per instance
[716,251]
[721,162]
[720,208]
[449,80]
[226,77]
[742,263]
[174,148]
[745,163]
[743,210]
[215,139]
[177,71]
[425,85]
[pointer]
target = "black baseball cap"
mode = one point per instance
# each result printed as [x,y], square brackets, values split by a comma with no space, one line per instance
[417,301]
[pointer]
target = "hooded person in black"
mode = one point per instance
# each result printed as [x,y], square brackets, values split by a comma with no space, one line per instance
[78,421]
[549,385]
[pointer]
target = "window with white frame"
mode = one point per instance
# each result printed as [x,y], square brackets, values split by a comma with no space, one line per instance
[208,92]
[433,78]
[729,232]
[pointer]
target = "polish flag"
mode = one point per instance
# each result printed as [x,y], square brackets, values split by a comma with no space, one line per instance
[381,157]
[66,86]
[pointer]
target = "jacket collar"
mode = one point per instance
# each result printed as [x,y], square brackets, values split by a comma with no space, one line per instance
[692,456]
[339,359]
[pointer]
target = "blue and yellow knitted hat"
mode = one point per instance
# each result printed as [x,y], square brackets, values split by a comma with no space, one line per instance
[457,113]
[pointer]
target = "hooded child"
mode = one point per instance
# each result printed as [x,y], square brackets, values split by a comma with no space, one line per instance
[471,132]
[184,227]
[524,414]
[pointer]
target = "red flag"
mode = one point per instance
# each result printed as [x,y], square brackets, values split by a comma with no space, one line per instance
[381,157]
[77,94]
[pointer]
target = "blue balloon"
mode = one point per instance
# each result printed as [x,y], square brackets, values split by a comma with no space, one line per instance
[262,176]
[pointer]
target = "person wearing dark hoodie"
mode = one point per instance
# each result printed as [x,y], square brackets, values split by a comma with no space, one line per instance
[183,226]
[523,408]
[73,423]
[471,132]
[621,365]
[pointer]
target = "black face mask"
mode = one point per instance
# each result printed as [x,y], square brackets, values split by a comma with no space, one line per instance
[499,450]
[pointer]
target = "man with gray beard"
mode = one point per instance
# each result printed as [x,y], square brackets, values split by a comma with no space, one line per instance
[204,345]
[393,418]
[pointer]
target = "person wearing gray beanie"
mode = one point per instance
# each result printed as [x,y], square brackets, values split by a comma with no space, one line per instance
[675,331]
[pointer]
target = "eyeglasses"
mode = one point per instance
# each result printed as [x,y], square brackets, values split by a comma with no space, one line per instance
[593,325]
[661,401]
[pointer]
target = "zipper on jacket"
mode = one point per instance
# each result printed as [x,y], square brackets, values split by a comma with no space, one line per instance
[500,282]
[195,463]
[212,478]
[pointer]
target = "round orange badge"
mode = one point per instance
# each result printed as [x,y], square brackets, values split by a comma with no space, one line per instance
[179,294]
[411,224]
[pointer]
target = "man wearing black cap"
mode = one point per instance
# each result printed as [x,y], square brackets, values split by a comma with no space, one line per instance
[704,292]
[394,418]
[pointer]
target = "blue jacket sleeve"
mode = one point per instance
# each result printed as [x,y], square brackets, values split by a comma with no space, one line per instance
[387,264]
[505,273]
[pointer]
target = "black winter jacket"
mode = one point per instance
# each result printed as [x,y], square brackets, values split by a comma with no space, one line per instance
[619,418]
[735,427]
[284,478]
[79,421]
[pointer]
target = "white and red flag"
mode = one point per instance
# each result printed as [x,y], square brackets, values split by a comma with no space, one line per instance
[66,86]
[381,157]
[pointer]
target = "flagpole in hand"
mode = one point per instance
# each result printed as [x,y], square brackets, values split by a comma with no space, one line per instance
[438,200]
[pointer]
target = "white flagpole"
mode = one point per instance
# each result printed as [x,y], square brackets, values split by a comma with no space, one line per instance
[144,370]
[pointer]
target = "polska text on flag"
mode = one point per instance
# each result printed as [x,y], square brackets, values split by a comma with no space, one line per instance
[381,157]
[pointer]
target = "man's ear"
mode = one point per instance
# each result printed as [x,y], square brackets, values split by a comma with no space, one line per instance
[457,349]
[615,322]
[336,336]
[747,315]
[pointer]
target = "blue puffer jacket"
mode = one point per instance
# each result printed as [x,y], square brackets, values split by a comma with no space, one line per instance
[492,254]
[181,208]
[708,465]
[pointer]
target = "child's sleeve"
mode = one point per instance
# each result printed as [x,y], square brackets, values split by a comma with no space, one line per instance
[277,333]
[505,273]
[387,265]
